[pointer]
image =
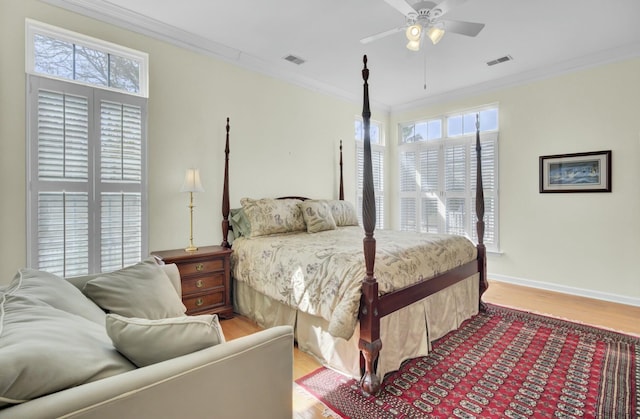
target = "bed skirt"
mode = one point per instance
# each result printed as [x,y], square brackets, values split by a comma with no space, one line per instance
[406,333]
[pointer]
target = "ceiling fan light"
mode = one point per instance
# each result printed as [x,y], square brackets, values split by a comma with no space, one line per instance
[435,34]
[413,45]
[413,33]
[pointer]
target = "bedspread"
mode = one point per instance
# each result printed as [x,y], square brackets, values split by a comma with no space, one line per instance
[321,273]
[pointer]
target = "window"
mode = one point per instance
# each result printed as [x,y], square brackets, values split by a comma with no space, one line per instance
[438,174]
[57,53]
[377,161]
[86,167]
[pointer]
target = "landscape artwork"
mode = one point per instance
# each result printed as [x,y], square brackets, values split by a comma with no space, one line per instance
[582,172]
[577,172]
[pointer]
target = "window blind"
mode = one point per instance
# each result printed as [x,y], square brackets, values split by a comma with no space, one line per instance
[437,186]
[87,198]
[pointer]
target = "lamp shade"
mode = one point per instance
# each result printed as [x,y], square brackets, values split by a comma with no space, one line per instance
[413,33]
[413,45]
[435,33]
[192,181]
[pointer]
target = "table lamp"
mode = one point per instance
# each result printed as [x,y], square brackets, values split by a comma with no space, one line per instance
[191,184]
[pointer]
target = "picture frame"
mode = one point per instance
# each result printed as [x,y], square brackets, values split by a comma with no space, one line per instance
[576,172]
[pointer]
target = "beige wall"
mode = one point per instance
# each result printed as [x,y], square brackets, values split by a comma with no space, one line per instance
[284,139]
[585,243]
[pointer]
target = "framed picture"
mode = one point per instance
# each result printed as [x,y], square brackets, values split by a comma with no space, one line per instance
[577,172]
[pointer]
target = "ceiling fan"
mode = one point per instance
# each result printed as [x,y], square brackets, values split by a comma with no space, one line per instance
[424,18]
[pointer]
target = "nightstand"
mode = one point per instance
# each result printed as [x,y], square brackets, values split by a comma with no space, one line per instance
[206,279]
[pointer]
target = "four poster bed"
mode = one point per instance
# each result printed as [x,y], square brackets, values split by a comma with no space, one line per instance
[301,262]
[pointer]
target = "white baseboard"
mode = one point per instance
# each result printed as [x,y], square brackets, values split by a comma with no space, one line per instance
[615,298]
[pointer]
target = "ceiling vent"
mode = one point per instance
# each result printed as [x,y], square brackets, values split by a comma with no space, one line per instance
[500,60]
[294,59]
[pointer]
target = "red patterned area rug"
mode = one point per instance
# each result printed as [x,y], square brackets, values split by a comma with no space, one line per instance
[501,364]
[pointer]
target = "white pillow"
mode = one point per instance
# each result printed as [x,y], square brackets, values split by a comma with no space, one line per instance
[141,290]
[146,342]
[44,350]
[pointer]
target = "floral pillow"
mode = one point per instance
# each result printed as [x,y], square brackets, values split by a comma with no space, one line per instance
[317,215]
[344,213]
[271,216]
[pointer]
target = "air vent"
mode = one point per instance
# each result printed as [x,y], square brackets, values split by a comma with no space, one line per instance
[500,60]
[294,59]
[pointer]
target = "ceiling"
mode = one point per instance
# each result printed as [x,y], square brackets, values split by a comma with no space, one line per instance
[544,38]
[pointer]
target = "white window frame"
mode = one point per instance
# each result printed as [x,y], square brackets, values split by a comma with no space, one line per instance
[379,191]
[94,186]
[33,27]
[441,194]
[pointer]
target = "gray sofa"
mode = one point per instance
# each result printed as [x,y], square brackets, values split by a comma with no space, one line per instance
[248,377]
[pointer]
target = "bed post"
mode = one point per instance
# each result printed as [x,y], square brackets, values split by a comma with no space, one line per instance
[370,343]
[225,194]
[341,196]
[482,251]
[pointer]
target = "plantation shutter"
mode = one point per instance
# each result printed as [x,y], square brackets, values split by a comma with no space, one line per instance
[408,172]
[408,219]
[63,132]
[455,164]
[86,178]
[430,221]
[437,177]
[429,169]
[62,173]
[430,186]
[121,229]
[456,181]
[120,184]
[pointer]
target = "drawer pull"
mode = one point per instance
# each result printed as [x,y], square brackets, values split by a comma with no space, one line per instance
[199,302]
[199,283]
[199,267]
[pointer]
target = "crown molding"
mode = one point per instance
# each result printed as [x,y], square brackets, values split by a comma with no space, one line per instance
[608,56]
[105,11]
[135,22]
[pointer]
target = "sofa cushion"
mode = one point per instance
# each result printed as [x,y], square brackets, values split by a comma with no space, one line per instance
[56,292]
[146,342]
[141,290]
[44,349]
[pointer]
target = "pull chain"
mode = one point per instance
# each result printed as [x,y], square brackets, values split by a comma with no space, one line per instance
[425,69]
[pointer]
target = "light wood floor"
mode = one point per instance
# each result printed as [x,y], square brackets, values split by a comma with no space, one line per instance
[595,312]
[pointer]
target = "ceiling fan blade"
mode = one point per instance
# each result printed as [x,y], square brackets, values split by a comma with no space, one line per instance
[381,35]
[446,6]
[402,6]
[463,28]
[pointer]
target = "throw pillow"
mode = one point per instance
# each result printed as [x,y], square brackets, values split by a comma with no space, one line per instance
[56,292]
[344,213]
[317,216]
[146,342]
[44,350]
[141,290]
[272,216]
